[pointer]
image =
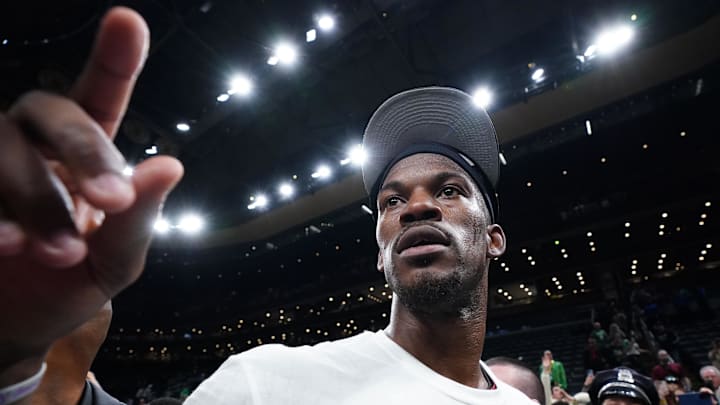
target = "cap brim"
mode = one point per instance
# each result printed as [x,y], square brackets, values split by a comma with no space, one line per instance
[430,114]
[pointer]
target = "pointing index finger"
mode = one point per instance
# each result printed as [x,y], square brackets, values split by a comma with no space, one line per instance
[105,85]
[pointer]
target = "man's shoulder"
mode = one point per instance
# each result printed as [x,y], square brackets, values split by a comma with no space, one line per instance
[270,355]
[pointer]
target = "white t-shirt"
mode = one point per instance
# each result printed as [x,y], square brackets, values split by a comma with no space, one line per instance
[369,368]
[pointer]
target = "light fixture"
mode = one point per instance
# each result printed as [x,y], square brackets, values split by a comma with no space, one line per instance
[285,53]
[588,127]
[502,159]
[260,201]
[223,97]
[326,22]
[191,223]
[322,172]
[311,35]
[482,97]
[538,75]
[286,190]
[161,226]
[627,224]
[152,150]
[611,40]
[128,171]
[272,60]
[182,127]
[240,85]
[356,156]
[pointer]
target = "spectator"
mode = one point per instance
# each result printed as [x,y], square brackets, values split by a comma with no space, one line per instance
[711,379]
[714,353]
[557,370]
[668,367]
[601,337]
[517,375]
[593,358]
[560,396]
[623,386]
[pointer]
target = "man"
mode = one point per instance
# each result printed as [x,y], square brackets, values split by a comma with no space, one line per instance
[556,370]
[432,175]
[67,379]
[668,367]
[622,386]
[514,373]
[710,376]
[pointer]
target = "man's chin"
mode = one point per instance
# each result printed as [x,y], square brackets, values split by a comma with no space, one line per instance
[437,290]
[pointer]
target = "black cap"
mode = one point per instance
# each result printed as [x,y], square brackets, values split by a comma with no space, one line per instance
[623,382]
[439,120]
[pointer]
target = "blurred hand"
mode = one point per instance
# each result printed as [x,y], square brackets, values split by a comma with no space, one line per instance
[60,174]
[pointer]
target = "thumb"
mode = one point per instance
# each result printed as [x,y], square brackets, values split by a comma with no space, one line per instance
[117,250]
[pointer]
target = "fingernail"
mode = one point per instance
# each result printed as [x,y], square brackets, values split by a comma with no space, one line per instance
[109,184]
[11,238]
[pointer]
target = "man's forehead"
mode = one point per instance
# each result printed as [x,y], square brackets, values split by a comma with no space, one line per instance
[426,161]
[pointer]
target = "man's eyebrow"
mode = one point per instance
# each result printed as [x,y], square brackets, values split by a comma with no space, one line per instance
[437,178]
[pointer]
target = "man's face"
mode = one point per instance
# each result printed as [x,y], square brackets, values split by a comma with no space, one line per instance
[432,232]
[710,375]
[663,357]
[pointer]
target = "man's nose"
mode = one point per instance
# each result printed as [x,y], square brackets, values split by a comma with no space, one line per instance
[422,206]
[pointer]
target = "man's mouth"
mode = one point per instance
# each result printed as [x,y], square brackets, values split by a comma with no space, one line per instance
[422,240]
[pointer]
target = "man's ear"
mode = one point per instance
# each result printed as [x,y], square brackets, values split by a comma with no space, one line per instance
[496,241]
[380,262]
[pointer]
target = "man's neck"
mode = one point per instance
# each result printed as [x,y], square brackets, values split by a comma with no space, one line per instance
[450,347]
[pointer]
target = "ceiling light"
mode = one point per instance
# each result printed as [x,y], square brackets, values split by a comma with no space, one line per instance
[627,234]
[285,53]
[223,97]
[182,127]
[708,246]
[589,234]
[500,290]
[522,285]
[529,184]
[322,172]
[588,127]
[153,150]
[664,215]
[538,75]
[627,224]
[482,97]
[128,171]
[707,204]
[356,156]
[286,190]
[611,40]
[161,226]
[311,35]
[663,255]
[191,223]
[241,85]
[272,61]
[502,159]
[260,201]
[633,17]
[326,23]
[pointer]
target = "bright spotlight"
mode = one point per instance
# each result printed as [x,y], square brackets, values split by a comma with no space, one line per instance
[128,171]
[326,23]
[272,61]
[285,54]
[161,226]
[356,156]
[261,201]
[223,97]
[311,35]
[240,85]
[322,172]
[611,40]
[482,97]
[538,75]
[182,127]
[286,190]
[191,223]
[153,150]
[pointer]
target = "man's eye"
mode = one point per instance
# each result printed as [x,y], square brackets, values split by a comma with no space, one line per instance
[449,192]
[392,201]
